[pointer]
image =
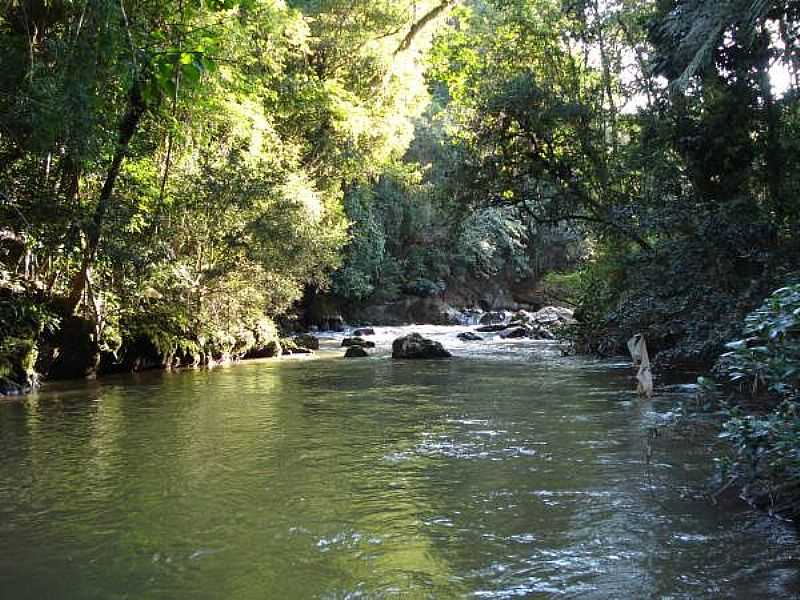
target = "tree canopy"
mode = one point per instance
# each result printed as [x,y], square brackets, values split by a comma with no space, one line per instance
[185,172]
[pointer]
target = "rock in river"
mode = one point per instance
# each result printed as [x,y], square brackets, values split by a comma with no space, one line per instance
[364,331]
[417,347]
[357,341]
[468,336]
[356,352]
[306,340]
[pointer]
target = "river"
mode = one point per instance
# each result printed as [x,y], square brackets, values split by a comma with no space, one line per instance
[508,471]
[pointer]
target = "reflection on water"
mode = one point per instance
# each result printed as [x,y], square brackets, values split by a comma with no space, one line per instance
[505,472]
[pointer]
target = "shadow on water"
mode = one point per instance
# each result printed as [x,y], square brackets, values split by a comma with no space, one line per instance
[508,471]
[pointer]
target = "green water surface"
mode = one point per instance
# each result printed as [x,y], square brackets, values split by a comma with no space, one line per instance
[326,478]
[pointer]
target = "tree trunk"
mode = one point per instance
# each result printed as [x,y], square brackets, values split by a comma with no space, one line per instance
[127,128]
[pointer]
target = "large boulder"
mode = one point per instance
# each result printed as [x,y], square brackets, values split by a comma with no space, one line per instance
[356,352]
[414,346]
[306,340]
[319,309]
[432,311]
[452,316]
[384,314]
[289,325]
[364,331]
[530,291]
[472,316]
[357,341]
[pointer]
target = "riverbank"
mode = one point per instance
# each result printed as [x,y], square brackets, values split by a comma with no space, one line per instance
[44,344]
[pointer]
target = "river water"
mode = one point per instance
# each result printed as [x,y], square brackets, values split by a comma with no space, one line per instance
[507,471]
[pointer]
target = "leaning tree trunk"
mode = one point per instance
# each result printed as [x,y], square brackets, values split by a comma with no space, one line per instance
[127,128]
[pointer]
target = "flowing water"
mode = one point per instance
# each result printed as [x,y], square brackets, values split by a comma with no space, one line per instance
[507,471]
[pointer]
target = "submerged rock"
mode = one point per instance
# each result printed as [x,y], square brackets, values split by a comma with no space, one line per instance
[414,346]
[306,340]
[357,341]
[356,352]
[364,331]
[468,336]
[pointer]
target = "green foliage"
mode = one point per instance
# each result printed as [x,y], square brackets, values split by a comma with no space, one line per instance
[22,321]
[492,239]
[367,251]
[425,288]
[765,367]
[177,169]
[768,359]
[687,202]
[397,236]
[766,459]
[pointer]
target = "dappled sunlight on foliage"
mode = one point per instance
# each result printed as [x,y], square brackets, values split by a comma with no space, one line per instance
[178,170]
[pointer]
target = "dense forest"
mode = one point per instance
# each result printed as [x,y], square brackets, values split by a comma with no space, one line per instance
[186,182]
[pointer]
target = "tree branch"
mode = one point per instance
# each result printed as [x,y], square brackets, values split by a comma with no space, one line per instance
[575,217]
[422,23]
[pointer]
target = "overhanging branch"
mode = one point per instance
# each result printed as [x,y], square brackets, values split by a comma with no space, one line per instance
[417,27]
